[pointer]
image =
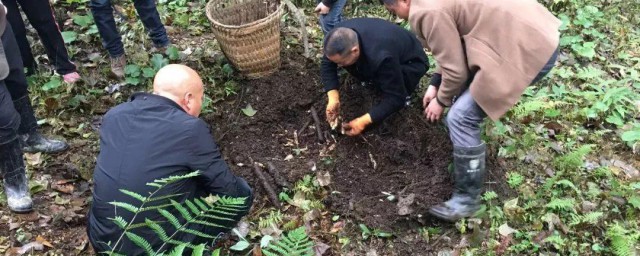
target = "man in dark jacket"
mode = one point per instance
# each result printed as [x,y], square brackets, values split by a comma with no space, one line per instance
[375,51]
[18,124]
[154,136]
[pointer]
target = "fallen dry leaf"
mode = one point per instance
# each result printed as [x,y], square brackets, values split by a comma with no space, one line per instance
[43,241]
[30,247]
[324,179]
[337,227]
[13,225]
[33,159]
[320,248]
[403,204]
[64,188]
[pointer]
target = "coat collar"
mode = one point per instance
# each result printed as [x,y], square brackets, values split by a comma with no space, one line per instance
[155,98]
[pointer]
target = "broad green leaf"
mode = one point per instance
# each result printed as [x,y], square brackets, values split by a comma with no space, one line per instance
[635,201]
[631,136]
[240,246]
[132,70]
[82,20]
[172,52]
[132,80]
[54,83]
[148,72]
[249,111]
[265,241]
[69,36]
[158,61]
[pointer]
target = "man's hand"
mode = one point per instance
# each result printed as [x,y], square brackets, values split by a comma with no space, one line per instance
[429,95]
[356,126]
[322,9]
[433,112]
[333,108]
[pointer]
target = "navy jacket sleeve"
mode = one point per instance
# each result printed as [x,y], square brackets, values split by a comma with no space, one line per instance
[215,175]
[329,74]
[391,83]
[328,3]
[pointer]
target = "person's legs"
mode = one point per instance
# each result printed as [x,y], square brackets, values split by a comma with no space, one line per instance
[151,20]
[328,21]
[41,17]
[463,120]
[12,165]
[103,15]
[16,83]
[20,32]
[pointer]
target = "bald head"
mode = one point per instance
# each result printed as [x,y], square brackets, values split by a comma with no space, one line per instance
[182,85]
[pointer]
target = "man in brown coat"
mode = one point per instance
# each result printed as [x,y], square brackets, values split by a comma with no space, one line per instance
[487,53]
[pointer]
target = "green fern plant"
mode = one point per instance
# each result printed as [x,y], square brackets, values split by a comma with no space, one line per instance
[622,240]
[295,243]
[574,160]
[208,212]
[562,204]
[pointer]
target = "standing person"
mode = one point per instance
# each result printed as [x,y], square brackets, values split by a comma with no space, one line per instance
[40,15]
[376,52]
[487,53]
[103,15]
[330,12]
[18,125]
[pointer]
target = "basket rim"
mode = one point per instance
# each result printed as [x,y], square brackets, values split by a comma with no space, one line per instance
[250,24]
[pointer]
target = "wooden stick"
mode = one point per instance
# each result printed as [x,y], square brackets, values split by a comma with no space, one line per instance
[273,197]
[300,17]
[280,181]
[304,126]
[314,114]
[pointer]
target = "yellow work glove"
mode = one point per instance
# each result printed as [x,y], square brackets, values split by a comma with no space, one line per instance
[356,126]
[333,108]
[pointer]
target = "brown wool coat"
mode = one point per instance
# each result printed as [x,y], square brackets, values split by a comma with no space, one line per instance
[506,42]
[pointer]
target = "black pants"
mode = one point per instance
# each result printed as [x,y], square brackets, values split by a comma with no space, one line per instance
[13,90]
[41,17]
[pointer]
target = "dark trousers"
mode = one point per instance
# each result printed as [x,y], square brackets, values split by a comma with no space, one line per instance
[16,114]
[40,15]
[111,39]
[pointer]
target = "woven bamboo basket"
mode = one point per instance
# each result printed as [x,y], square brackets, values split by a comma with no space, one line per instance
[248,32]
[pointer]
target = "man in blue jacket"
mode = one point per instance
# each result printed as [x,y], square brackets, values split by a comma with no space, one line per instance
[154,136]
[374,51]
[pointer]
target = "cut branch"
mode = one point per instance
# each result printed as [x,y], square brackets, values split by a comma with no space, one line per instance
[273,197]
[280,181]
[314,114]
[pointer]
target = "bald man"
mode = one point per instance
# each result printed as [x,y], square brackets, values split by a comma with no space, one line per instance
[154,136]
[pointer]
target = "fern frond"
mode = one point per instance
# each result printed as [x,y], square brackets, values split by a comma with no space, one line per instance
[125,206]
[561,204]
[154,199]
[198,251]
[140,242]
[155,207]
[295,243]
[197,233]
[573,161]
[192,207]
[175,178]
[172,219]
[137,225]
[203,206]
[157,229]
[119,221]
[232,201]
[134,195]
[205,223]
[153,184]
[621,243]
[183,211]
[592,217]
[178,250]
[216,217]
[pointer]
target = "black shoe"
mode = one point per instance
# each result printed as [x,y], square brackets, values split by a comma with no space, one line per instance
[35,142]
[14,176]
[469,171]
